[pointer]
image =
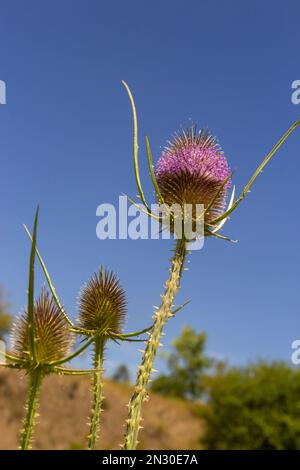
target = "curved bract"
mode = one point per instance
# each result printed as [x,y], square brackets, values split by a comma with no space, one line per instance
[257,172]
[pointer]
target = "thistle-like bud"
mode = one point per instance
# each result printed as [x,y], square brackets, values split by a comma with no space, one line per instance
[102,303]
[53,339]
[192,170]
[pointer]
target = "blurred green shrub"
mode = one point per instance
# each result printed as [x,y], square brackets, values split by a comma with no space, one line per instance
[121,374]
[255,407]
[186,364]
[77,446]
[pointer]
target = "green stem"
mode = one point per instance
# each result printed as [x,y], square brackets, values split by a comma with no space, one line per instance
[97,393]
[161,317]
[36,377]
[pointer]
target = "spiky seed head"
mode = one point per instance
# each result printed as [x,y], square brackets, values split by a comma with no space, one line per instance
[53,340]
[102,303]
[191,170]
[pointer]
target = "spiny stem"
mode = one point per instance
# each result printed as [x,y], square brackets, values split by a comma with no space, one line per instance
[161,317]
[36,377]
[97,393]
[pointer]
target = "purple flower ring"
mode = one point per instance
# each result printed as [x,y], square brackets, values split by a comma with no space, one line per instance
[193,170]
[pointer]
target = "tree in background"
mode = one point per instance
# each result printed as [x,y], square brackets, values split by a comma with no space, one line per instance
[122,374]
[5,318]
[254,407]
[187,365]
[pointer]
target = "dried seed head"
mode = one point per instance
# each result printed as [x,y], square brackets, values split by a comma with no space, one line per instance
[192,170]
[102,303]
[53,339]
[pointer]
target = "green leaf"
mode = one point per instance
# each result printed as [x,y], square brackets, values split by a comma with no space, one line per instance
[217,193]
[150,164]
[135,333]
[48,279]
[221,224]
[179,308]
[135,146]
[30,305]
[222,237]
[150,214]
[257,172]
[62,370]
[11,358]
[75,354]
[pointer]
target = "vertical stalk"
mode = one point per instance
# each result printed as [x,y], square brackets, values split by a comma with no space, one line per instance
[36,378]
[97,393]
[161,317]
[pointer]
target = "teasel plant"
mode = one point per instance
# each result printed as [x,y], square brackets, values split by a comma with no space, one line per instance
[191,170]
[42,341]
[102,308]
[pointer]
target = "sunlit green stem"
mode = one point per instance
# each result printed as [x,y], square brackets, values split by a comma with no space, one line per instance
[161,317]
[97,393]
[36,377]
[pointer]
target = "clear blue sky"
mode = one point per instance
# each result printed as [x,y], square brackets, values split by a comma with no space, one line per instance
[66,144]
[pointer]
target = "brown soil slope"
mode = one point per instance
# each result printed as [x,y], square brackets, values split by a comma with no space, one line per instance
[65,401]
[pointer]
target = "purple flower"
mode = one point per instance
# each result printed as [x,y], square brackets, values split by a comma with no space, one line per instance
[192,170]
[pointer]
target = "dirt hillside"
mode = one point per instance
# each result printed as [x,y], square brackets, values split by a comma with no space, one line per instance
[65,402]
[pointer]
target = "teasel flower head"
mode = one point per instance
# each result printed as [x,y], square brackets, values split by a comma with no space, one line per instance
[102,304]
[194,165]
[193,170]
[53,339]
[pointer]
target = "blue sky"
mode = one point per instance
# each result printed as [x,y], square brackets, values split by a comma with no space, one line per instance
[66,144]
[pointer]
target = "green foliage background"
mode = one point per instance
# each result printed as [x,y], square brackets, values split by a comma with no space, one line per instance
[251,407]
[256,407]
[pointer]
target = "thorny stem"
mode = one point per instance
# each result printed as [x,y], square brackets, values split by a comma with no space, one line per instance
[36,377]
[161,317]
[97,393]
